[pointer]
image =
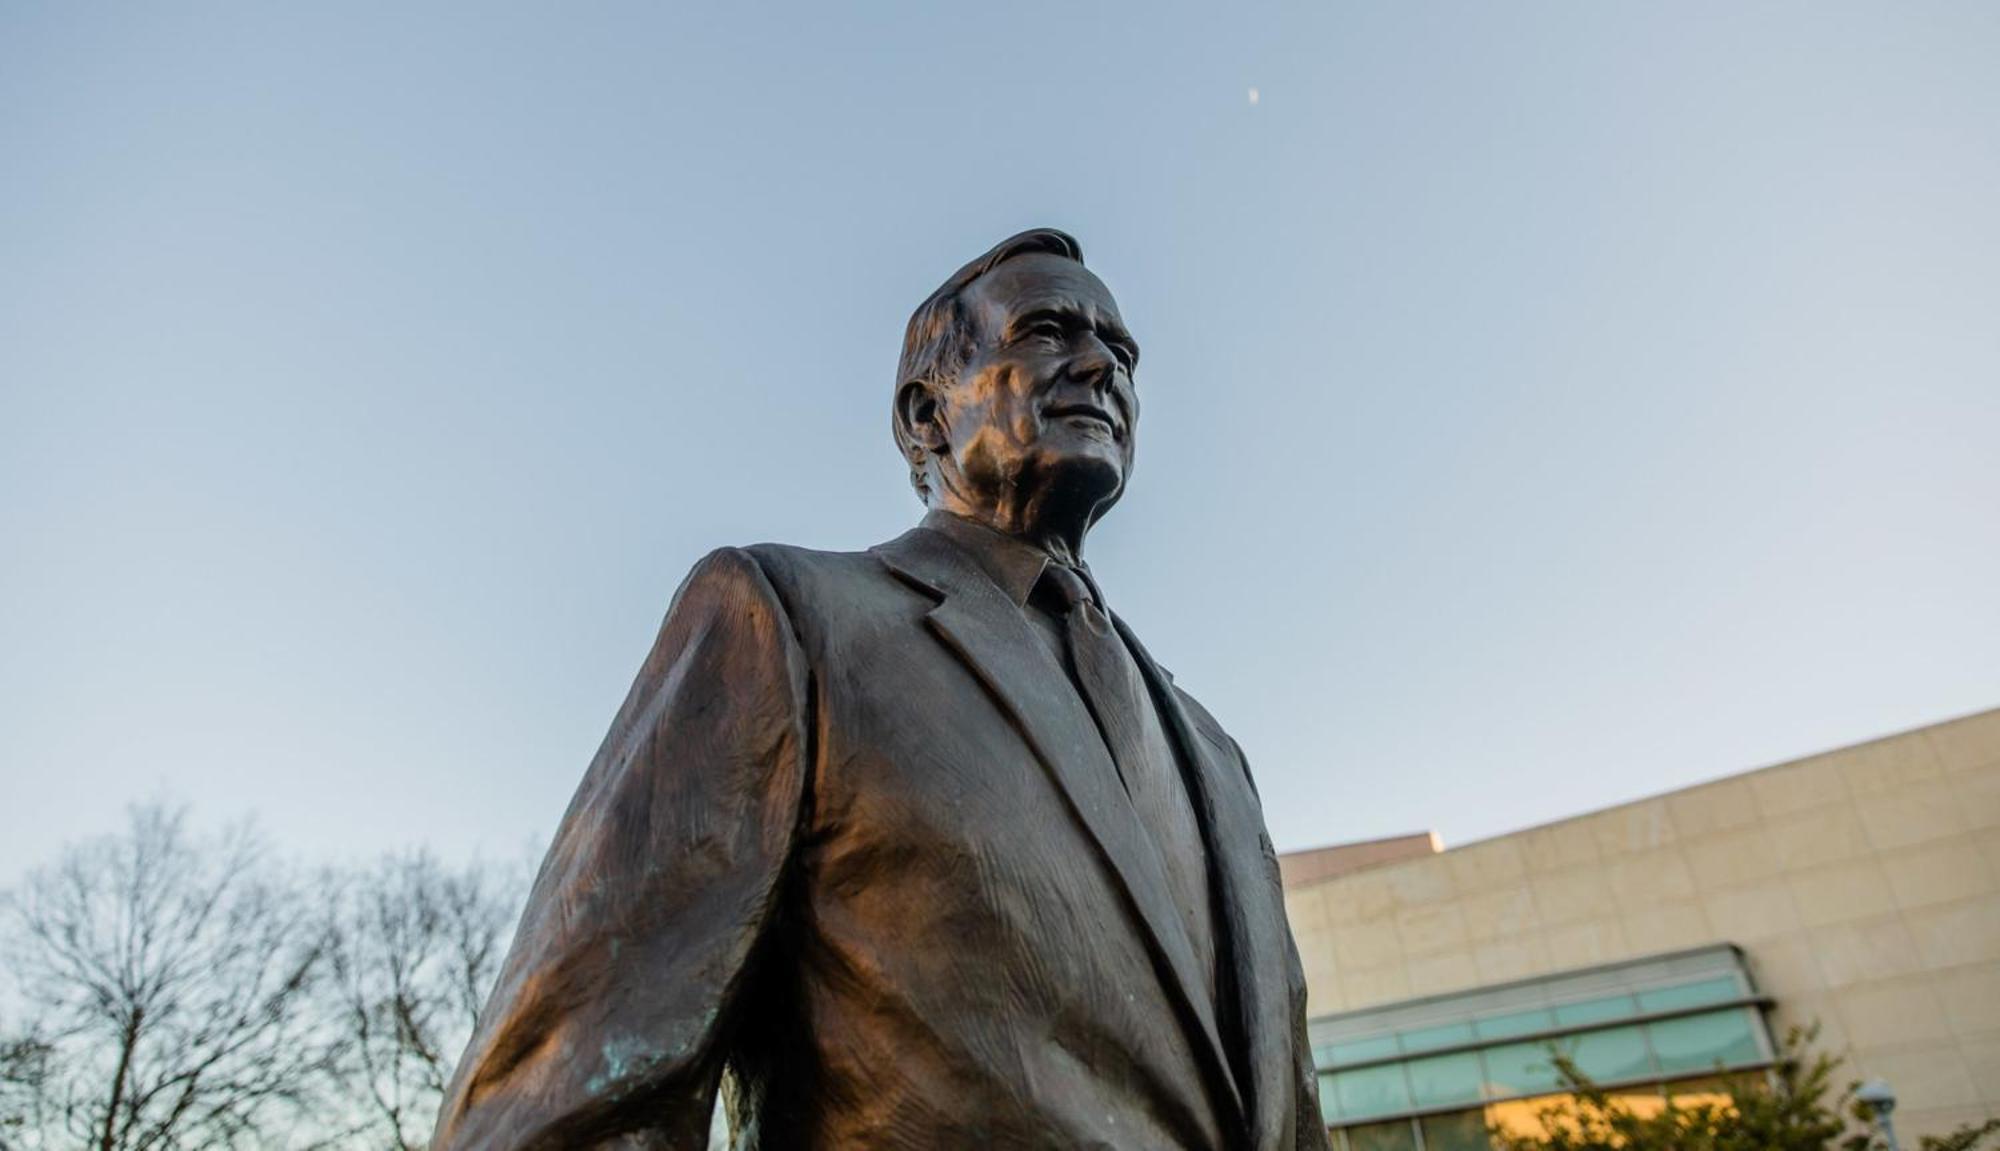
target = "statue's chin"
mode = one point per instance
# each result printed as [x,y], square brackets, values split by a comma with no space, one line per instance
[1078,486]
[1059,488]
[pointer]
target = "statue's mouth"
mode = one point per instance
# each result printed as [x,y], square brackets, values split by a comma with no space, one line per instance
[1087,413]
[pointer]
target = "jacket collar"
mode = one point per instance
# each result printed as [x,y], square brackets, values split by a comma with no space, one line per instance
[1014,565]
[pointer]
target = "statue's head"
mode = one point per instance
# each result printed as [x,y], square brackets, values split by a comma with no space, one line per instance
[1014,399]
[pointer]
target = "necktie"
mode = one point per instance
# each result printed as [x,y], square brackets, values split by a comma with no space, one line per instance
[1111,685]
[1104,671]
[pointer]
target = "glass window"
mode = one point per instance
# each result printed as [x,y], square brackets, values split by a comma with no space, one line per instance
[1704,1042]
[1460,1131]
[1594,1011]
[1400,1135]
[1432,1038]
[1508,1026]
[1611,1055]
[1359,1051]
[1645,1102]
[1523,1118]
[1690,995]
[1329,1099]
[1716,1086]
[1699,1094]
[1518,1069]
[1372,1091]
[1442,1080]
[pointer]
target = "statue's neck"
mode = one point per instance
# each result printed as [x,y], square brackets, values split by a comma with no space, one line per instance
[1061,538]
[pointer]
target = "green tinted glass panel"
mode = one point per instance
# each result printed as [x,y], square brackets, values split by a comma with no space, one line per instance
[1518,1069]
[1398,1136]
[1611,1055]
[1594,1011]
[1690,995]
[1519,1023]
[1442,1080]
[1696,1043]
[1460,1131]
[1372,1091]
[1360,1051]
[1432,1038]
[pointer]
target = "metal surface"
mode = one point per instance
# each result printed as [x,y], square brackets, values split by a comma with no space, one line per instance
[856,838]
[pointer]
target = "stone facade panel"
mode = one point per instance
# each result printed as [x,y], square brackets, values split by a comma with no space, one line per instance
[1863,887]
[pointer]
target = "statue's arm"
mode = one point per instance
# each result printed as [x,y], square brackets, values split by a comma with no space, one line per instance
[1308,1122]
[1309,1127]
[612,1012]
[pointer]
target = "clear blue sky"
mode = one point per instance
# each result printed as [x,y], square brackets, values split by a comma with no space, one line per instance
[1546,404]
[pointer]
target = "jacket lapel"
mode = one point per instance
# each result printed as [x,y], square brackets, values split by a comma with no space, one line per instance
[986,630]
[1252,977]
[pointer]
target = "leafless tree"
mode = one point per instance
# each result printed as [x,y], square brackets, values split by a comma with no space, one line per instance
[415,949]
[24,1070]
[169,985]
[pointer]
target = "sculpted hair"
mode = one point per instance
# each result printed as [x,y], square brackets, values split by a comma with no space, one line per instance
[939,338]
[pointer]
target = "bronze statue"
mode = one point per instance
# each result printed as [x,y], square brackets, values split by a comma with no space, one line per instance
[916,845]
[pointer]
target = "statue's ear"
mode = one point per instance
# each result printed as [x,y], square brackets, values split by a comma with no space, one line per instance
[919,417]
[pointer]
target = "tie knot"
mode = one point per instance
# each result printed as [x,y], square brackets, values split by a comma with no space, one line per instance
[1068,586]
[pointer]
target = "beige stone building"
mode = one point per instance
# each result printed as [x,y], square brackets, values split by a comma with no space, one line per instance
[1669,944]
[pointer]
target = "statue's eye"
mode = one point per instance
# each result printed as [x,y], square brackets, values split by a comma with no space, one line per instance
[1048,330]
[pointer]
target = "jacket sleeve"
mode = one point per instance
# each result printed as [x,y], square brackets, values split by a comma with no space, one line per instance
[1309,1131]
[609,1022]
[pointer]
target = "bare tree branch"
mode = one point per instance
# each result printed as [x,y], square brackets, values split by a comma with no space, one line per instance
[174,977]
[416,946]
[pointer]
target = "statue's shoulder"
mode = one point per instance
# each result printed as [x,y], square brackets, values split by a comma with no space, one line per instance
[809,583]
[1205,721]
[789,563]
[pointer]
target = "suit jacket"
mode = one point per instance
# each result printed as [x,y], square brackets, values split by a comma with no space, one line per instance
[854,837]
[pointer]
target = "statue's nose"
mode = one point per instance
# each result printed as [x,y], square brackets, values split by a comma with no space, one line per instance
[1095,365]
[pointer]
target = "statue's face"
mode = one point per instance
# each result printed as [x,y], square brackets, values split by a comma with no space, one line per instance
[1044,410]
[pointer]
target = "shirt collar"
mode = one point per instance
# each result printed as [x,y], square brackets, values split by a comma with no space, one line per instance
[1015,566]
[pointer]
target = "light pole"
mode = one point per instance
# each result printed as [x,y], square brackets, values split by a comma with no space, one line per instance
[1879,1099]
